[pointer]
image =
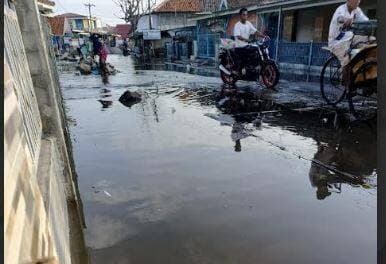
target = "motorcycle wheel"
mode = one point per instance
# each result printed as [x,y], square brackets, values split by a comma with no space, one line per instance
[228,79]
[270,74]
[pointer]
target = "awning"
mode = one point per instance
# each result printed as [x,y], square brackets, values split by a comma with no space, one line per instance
[274,7]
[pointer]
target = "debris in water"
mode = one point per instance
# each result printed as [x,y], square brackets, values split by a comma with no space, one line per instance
[107,193]
[130,98]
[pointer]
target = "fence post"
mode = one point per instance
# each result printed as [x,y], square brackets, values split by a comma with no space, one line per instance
[310,60]
[278,34]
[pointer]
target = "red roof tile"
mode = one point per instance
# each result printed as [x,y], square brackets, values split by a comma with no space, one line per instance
[179,6]
[57,25]
[123,29]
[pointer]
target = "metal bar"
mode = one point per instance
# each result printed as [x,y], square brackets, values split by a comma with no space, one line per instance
[310,60]
[207,45]
[278,34]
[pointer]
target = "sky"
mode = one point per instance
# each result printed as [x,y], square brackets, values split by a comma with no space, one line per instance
[106,10]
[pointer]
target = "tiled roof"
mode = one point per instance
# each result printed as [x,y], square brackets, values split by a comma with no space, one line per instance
[179,6]
[47,2]
[123,29]
[70,15]
[57,25]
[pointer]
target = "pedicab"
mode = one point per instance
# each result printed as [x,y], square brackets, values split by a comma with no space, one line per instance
[361,89]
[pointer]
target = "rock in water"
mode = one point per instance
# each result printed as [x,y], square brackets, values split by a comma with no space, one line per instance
[130,98]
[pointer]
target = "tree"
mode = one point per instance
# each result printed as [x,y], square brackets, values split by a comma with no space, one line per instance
[132,10]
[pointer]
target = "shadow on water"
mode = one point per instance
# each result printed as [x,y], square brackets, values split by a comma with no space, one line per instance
[346,151]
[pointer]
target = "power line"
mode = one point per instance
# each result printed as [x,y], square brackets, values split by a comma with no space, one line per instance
[64,9]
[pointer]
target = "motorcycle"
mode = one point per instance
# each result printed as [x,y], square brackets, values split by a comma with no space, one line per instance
[254,65]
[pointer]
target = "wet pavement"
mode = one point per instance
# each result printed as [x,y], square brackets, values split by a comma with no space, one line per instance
[197,174]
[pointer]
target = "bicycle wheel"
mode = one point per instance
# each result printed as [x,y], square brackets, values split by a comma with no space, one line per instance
[333,92]
[362,97]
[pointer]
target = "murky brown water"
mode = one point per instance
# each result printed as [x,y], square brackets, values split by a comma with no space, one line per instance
[174,179]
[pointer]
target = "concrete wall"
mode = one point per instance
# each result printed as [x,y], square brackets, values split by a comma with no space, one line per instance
[43,221]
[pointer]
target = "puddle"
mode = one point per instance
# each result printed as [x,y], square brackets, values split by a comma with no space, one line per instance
[197,174]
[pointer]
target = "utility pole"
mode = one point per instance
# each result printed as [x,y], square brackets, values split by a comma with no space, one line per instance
[89,13]
[149,14]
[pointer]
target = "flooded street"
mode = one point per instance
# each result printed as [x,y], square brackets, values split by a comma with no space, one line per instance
[176,178]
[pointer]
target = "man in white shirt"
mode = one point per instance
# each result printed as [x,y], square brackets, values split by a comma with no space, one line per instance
[242,32]
[339,40]
[244,29]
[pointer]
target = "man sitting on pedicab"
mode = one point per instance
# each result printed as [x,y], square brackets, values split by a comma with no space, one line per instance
[340,37]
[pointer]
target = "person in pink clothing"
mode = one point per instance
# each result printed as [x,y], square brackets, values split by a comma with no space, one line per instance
[102,61]
[103,54]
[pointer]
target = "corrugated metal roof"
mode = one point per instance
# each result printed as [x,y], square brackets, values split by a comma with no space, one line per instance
[233,4]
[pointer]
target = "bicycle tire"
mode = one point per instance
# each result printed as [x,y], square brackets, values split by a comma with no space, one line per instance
[325,96]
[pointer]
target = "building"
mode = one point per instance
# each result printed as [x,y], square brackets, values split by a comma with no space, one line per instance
[80,22]
[171,19]
[43,218]
[70,30]
[123,30]
[46,7]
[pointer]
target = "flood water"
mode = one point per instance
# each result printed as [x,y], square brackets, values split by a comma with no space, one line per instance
[175,179]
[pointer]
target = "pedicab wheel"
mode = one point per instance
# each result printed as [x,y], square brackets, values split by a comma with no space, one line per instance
[270,74]
[228,79]
[333,92]
[362,96]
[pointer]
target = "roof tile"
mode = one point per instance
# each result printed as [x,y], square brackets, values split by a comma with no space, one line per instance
[179,6]
[57,25]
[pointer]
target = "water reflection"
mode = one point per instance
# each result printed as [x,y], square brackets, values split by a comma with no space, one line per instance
[106,98]
[238,133]
[345,155]
[180,170]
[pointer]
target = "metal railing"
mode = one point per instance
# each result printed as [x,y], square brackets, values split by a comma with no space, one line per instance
[206,44]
